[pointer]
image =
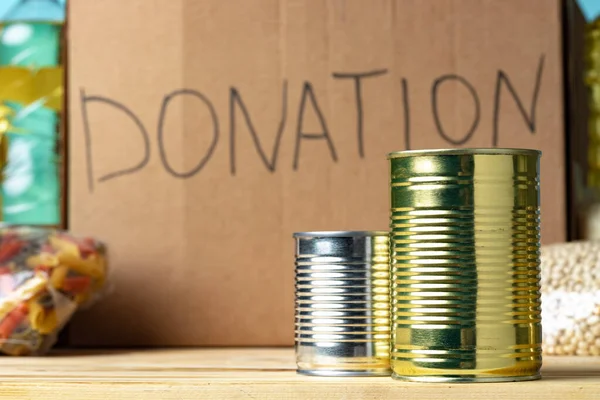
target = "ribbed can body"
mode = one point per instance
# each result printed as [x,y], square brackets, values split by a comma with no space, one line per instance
[465,265]
[342,303]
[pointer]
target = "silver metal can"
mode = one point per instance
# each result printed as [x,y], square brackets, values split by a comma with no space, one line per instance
[465,265]
[342,303]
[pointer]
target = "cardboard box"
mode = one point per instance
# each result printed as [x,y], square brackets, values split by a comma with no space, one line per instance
[205,132]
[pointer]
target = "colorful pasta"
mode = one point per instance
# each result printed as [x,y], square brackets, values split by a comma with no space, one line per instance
[44,276]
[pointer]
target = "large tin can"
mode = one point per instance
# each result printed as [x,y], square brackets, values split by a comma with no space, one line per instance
[465,265]
[342,303]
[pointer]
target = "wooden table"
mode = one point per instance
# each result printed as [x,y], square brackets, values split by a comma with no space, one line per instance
[254,374]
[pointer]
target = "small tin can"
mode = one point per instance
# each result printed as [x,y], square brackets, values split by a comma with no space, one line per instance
[465,265]
[342,323]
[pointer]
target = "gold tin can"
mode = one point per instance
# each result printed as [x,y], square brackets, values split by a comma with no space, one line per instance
[465,265]
[342,323]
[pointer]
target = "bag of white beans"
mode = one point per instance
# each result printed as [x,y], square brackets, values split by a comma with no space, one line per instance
[570,284]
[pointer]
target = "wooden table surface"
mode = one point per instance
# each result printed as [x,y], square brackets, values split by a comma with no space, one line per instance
[255,374]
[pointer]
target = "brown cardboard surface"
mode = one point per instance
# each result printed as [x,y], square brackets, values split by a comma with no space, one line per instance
[205,132]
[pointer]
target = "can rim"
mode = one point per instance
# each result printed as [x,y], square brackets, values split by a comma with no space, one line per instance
[467,151]
[340,233]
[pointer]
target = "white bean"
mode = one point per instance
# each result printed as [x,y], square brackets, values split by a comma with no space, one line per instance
[570,285]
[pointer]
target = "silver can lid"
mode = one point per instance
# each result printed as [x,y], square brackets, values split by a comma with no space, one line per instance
[340,234]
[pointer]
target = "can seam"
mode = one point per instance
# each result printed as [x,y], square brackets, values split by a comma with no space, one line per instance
[340,234]
[465,152]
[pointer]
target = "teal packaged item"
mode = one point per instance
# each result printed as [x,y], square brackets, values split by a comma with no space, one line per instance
[31,92]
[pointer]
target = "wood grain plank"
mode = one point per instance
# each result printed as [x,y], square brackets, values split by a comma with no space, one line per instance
[253,374]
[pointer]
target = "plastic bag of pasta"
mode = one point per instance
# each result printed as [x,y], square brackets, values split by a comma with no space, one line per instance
[45,276]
